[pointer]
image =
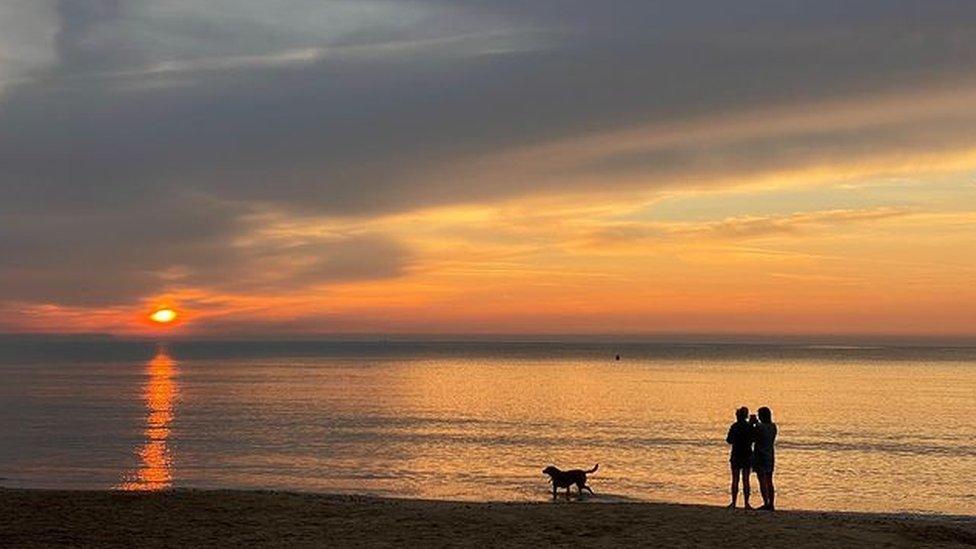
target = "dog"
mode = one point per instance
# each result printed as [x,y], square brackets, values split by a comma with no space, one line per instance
[565,479]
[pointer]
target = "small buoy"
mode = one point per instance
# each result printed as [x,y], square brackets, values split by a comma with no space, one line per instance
[616,357]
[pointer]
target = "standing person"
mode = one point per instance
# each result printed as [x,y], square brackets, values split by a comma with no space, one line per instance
[741,435]
[764,457]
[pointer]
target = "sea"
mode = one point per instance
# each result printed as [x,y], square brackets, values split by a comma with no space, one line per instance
[883,428]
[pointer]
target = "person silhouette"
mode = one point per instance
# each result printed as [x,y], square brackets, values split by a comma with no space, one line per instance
[764,457]
[741,436]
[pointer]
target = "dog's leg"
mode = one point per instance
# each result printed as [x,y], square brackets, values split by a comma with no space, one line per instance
[554,490]
[588,489]
[567,491]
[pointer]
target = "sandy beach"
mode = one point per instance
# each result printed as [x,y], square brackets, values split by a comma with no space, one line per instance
[191,518]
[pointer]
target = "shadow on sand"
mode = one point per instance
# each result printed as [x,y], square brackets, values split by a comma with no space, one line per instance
[600,497]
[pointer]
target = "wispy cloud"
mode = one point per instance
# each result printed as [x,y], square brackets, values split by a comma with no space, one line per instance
[744,227]
[464,45]
[793,224]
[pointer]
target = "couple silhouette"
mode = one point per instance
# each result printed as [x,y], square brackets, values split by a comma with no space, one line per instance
[753,449]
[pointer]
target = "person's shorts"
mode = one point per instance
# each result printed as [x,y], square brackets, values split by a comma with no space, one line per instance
[740,462]
[762,466]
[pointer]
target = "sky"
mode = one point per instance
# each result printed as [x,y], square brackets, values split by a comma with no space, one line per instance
[467,166]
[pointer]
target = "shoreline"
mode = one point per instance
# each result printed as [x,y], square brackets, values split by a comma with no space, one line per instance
[211,518]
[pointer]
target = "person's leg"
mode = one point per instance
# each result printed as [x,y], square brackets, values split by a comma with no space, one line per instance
[761,476]
[735,486]
[771,490]
[745,486]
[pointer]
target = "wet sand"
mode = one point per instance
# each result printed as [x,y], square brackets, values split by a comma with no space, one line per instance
[191,518]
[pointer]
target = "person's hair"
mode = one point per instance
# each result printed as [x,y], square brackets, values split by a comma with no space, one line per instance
[765,415]
[742,413]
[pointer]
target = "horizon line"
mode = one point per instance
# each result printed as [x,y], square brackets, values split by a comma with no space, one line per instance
[502,337]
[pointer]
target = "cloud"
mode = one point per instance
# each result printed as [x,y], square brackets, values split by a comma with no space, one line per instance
[793,224]
[113,256]
[28,31]
[744,227]
[477,44]
[366,134]
[272,267]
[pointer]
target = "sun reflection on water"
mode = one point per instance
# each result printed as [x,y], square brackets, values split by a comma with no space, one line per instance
[159,393]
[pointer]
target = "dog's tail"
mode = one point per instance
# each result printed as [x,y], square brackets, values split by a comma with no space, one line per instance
[593,470]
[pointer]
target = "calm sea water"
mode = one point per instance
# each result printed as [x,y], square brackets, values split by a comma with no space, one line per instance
[874,429]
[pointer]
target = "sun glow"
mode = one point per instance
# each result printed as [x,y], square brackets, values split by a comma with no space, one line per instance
[163,316]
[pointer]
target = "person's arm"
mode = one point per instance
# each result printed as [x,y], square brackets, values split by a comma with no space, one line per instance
[728,438]
[754,428]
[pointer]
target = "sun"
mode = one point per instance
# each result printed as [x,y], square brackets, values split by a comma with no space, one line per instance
[163,316]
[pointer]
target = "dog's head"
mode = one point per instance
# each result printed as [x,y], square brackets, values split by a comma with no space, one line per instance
[552,471]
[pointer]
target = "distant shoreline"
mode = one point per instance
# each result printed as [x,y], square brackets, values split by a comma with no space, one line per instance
[201,518]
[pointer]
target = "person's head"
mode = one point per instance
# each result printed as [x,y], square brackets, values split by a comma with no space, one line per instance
[741,414]
[765,415]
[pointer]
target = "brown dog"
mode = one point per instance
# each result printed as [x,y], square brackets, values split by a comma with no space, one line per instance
[565,479]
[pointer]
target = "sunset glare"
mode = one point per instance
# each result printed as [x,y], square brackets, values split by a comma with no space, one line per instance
[163,316]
